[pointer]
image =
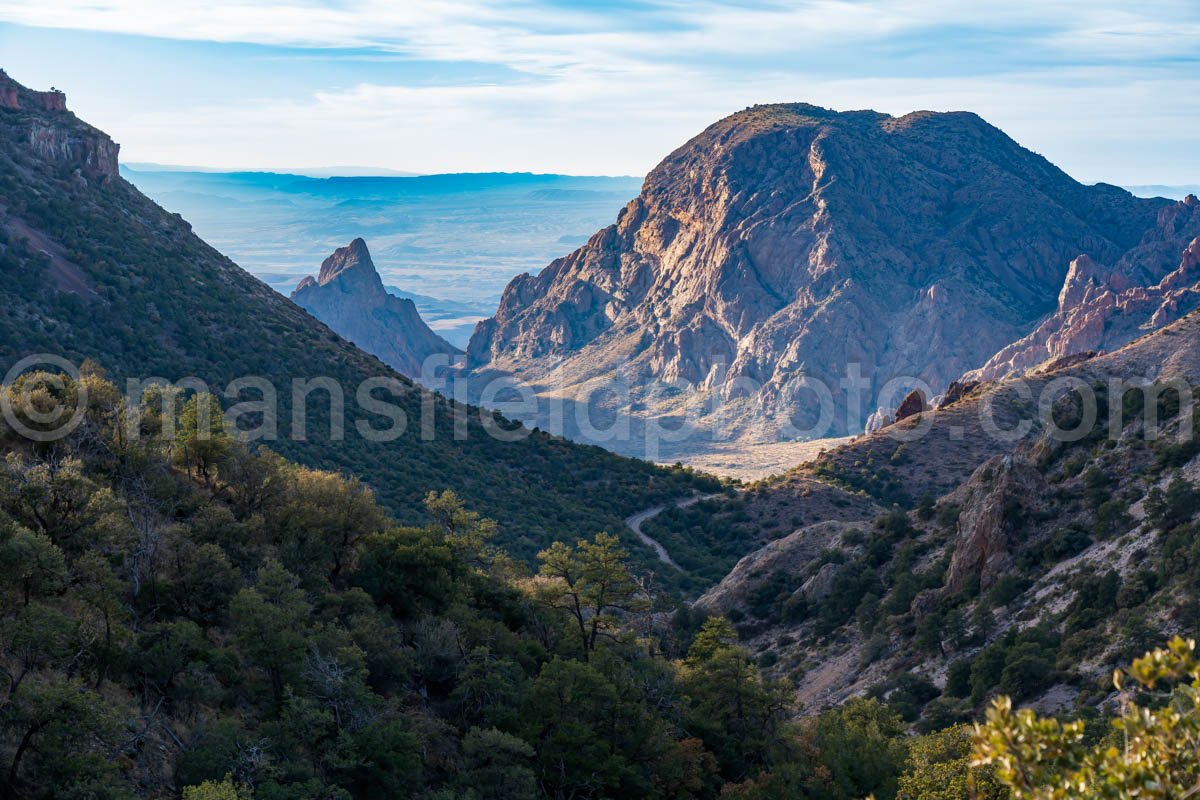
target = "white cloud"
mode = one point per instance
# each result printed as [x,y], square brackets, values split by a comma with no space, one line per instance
[539,37]
[1084,121]
[613,92]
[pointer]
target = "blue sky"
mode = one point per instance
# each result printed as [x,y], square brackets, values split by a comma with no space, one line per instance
[1107,90]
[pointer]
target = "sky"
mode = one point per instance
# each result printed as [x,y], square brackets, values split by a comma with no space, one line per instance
[1110,91]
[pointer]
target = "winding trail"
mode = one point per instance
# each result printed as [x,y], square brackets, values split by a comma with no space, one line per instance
[635,524]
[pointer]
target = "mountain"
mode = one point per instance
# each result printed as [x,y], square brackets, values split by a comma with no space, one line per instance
[92,268]
[1104,307]
[456,236]
[1026,537]
[307,172]
[349,296]
[786,243]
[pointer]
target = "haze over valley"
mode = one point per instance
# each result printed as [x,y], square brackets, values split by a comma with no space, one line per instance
[450,242]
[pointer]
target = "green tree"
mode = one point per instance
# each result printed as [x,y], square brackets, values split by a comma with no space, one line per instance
[30,565]
[201,441]
[593,584]
[938,768]
[202,580]
[60,734]
[52,497]
[570,716]
[323,521]
[496,766]
[1178,504]
[411,570]
[269,621]
[860,749]
[467,533]
[729,706]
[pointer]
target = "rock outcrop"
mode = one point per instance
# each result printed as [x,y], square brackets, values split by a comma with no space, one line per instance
[787,242]
[791,555]
[1103,308]
[987,522]
[56,135]
[70,145]
[914,403]
[348,295]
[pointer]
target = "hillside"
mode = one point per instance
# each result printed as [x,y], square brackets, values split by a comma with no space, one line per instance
[268,626]
[349,296]
[91,268]
[1029,564]
[788,242]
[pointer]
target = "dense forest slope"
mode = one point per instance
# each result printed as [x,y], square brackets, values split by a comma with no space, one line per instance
[181,614]
[93,269]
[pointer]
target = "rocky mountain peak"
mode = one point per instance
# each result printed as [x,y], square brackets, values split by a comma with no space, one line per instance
[348,295]
[354,257]
[790,241]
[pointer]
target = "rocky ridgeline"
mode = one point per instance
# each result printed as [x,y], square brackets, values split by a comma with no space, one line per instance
[1012,537]
[1104,307]
[55,134]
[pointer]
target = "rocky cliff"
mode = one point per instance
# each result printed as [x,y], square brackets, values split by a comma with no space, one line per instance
[1103,307]
[789,241]
[348,296]
[55,134]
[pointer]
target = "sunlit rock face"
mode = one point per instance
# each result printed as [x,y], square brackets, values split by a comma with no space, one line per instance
[789,241]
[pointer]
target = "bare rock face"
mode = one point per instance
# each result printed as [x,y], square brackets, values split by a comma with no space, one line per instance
[1105,307]
[879,420]
[820,585]
[95,154]
[52,100]
[994,501]
[789,241]
[348,295]
[913,404]
[54,134]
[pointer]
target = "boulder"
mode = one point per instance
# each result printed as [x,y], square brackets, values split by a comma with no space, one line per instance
[913,404]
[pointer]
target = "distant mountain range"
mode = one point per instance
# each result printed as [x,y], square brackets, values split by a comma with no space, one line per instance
[454,240]
[307,172]
[1159,190]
